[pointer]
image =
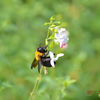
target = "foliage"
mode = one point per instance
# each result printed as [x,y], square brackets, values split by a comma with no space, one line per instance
[22,30]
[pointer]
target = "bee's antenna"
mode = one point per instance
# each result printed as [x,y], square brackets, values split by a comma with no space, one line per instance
[40,44]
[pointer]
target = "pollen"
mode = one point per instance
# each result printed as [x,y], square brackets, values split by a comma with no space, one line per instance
[37,55]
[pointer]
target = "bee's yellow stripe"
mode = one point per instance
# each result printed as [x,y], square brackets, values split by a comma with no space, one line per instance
[37,55]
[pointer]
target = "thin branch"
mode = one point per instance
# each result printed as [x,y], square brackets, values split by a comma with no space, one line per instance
[32,95]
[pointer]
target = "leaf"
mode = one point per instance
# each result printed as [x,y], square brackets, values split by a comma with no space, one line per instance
[53,44]
[57,23]
[52,36]
[64,83]
[46,41]
[68,82]
[71,82]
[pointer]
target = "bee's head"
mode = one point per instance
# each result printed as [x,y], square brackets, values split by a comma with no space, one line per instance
[42,49]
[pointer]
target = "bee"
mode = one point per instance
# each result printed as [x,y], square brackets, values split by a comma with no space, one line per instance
[41,58]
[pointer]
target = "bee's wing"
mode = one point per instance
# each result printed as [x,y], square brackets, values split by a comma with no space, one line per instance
[39,64]
[34,63]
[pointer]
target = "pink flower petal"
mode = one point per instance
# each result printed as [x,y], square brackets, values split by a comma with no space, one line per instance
[62,45]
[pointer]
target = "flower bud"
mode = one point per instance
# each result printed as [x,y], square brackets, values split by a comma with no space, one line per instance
[46,24]
[52,18]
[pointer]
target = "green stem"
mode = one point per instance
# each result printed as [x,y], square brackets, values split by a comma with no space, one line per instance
[48,33]
[49,30]
[32,95]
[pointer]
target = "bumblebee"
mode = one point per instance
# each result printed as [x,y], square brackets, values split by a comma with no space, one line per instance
[41,58]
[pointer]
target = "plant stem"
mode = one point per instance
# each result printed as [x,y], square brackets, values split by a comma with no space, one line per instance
[32,95]
[48,30]
[48,33]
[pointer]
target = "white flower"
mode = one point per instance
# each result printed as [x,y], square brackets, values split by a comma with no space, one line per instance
[61,37]
[54,59]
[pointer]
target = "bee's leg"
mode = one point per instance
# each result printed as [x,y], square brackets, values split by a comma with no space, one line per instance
[39,64]
[45,70]
[45,54]
[46,59]
[40,60]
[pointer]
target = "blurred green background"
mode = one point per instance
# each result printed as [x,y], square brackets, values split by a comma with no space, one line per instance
[22,30]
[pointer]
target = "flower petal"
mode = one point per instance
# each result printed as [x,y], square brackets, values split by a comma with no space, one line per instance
[61,45]
[65,40]
[58,55]
[52,63]
[61,30]
[51,55]
[56,36]
[66,32]
[59,37]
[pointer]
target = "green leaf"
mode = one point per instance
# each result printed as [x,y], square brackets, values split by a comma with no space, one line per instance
[68,82]
[71,82]
[64,83]
[56,23]
[53,44]
[52,29]
[52,36]
[53,26]
[55,30]
[46,41]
